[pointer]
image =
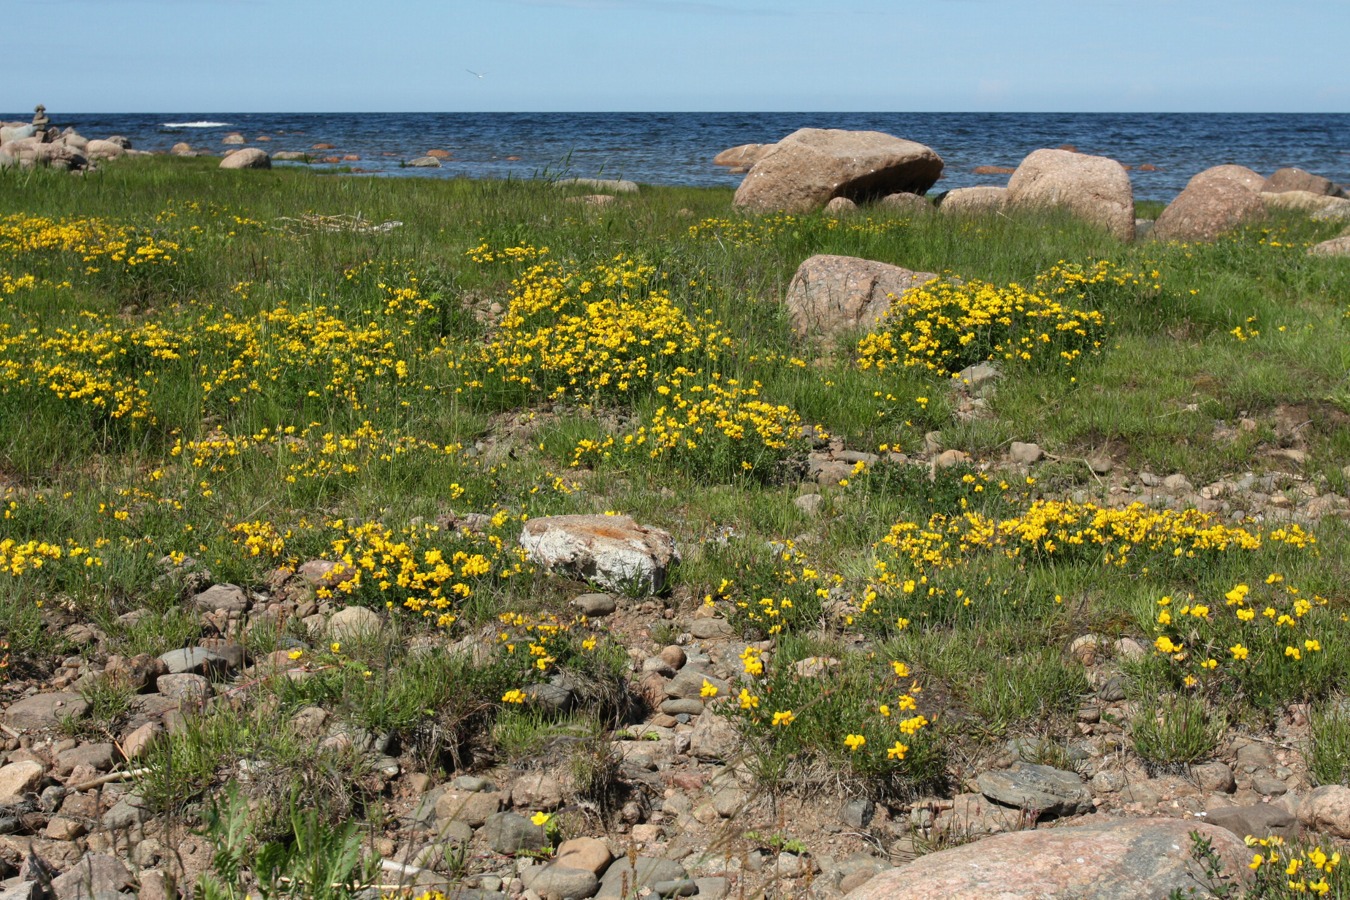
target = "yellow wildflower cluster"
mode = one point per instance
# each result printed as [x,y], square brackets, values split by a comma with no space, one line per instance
[95,241]
[1061,528]
[18,558]
[423,569]
[776,597]
[949,324]
[1090,279]
[12,284]
[1267,641]
[260,538]
[593,335]
[1302,870]
[312,453]
[778,705]
[709,424]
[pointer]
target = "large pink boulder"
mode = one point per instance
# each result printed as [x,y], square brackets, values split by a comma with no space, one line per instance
[811,166]
[1240,175]
[1214,202]
[833,294]
[1093,188]
[248,158]
[1140,859]
[1294,179]
[612,551]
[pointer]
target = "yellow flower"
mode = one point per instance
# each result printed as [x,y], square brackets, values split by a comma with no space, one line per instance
[1164,645]
[901,670]
[296,654]
[708,690]
[854,742]
[898,751]
[783,718]
[513,696]
[1238,651]
[540,818]
[336,647]
[748,700]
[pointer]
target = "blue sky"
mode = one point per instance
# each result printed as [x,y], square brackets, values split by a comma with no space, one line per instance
[678,55]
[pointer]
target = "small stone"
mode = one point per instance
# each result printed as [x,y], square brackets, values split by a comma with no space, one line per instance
[135,744]
[949,458]
[18,779]
[325,573]
[94,877]
[1084,649]
[553,697]
[1214,777]
[1112,690]
[675,887]
[196,660]
[809,503]
[730,802]
[99,757]
[45,711]
[1049,791]
[564,881]
[1100,465]
[643,872]
[688,684]
[857,813]
[587,853]
[352,623]
[509,833]
[537,791]
[60,828]
[222,597]
[678,707]
[185,688]
[1177,484]
[714,737]
[595,606]
[1260,820]
[708,629]
[1269,786]
[473,807]
[1025,454]
[673,656]
[472,783]
[124,814]
[813,666]
[712,888]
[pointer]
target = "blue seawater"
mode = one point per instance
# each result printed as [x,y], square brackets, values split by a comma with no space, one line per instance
[677,148]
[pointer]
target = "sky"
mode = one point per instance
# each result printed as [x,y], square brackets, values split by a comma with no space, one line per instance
[200,56]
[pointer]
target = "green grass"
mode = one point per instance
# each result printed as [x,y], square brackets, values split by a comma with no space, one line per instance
[294,394]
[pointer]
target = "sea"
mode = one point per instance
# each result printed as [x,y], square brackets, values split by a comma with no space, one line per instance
[677,148]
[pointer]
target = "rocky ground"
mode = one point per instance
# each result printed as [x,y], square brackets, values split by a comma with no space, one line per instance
[688,820]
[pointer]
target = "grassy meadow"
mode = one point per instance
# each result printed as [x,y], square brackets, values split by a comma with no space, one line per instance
[208,376]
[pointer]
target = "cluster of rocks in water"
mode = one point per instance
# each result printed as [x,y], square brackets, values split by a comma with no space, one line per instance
[838,171]
[70,813]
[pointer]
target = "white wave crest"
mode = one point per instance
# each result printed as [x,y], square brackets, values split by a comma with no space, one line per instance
[195,125]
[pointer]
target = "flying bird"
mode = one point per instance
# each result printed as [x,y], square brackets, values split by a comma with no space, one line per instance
[477,74]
